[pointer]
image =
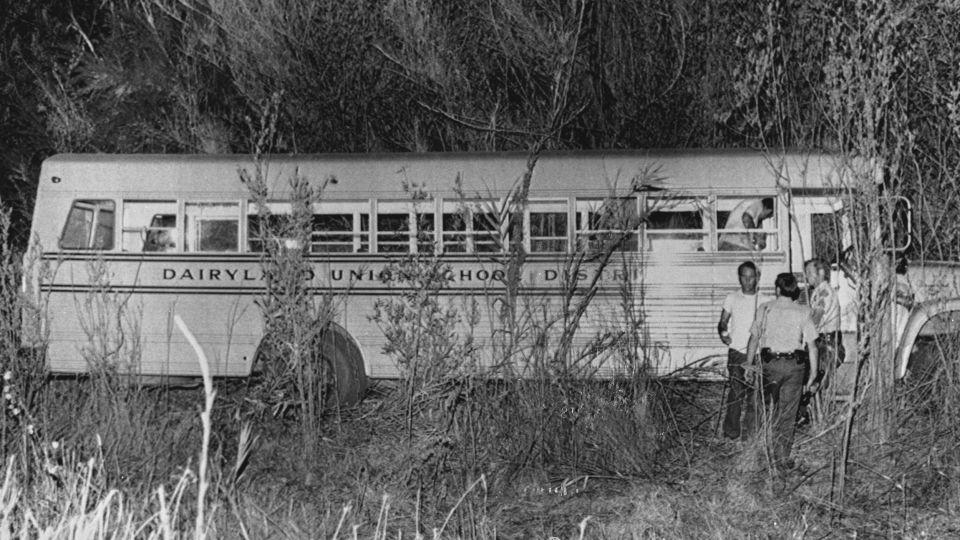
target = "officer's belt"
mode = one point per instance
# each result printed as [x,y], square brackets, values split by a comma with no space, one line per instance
[768,356]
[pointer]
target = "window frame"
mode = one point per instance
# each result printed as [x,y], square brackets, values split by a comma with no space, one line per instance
[771,228]
[145,230]
[185,231]
[705,205]
[89,244]
[470,210]
[551,206]
[362,239]
[583,210]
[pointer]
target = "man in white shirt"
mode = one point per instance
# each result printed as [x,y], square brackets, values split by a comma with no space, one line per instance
[825,312]
[736,318]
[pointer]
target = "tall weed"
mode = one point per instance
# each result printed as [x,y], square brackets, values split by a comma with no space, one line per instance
[295,375]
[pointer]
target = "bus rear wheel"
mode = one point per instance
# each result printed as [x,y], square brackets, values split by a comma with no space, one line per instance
[344,362]
[346,380]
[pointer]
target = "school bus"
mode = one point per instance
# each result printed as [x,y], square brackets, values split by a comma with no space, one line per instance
[128,241]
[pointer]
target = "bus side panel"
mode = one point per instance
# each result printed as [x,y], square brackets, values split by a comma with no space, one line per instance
[111,310]
[141,337]
[673,301]
[677,303]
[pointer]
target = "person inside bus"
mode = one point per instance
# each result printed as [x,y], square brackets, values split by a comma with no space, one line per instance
[736,318]
[160,234]
[781,330]
[747,215]
[159,240]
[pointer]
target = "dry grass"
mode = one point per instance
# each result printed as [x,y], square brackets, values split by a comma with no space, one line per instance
[373,485]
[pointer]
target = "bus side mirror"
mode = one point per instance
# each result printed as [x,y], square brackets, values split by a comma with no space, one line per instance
[896,236]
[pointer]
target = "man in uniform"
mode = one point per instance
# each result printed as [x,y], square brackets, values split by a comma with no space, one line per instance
[736,317]
[780,331]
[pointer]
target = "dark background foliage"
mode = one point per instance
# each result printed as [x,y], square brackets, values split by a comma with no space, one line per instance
[420,75]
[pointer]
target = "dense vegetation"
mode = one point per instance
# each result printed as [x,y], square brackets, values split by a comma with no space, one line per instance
[877,79]
[415,75]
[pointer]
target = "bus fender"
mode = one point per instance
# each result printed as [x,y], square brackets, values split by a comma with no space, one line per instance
[919,316]
[345,358]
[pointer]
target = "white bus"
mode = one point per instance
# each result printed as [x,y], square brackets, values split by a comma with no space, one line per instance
[156,235]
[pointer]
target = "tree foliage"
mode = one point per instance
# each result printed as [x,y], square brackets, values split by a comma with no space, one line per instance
[425,75]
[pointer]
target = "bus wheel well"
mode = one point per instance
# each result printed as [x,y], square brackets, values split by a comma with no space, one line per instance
[344,360]
[936,339]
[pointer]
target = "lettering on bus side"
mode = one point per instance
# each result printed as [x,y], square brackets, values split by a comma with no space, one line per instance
[340,275]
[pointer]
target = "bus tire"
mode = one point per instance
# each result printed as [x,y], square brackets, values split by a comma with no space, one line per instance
[345,363]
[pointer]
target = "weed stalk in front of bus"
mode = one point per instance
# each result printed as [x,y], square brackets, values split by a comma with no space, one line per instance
[294,375]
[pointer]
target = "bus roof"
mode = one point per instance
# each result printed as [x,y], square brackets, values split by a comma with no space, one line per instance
[363,176]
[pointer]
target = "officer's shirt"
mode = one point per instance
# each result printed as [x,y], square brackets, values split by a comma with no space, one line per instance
[783,326]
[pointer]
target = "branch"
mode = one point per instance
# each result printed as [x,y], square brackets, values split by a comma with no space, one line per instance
[475,125]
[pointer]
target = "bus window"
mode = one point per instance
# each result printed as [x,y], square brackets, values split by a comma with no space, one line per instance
[149,226]
[454,235]
[334,233]
[89,225]
[826,237]
[736,215]
[486,233]
[212,227]
[393,233]
[607,223]
[472,227]
[548,227]
[426,235]
[677,224]
[275,225]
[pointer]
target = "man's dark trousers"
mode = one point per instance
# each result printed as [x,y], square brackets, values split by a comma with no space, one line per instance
[782,387]
[739,398]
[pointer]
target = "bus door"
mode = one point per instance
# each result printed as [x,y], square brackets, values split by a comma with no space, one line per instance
[817,225]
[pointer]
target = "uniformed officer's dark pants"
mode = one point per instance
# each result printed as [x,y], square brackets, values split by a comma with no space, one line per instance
[782,387]
[739,398]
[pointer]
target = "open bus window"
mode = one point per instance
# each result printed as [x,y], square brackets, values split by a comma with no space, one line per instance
[486,233]
[548,228]
[473,226]
[454,235]
[393,233]
[335,233]
[149,226]
[607,224]
[425,233]
[89,225]
[278,228]
[213,227]
[747,224]
[677,224]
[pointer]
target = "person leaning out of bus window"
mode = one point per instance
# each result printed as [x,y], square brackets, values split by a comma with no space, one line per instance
[736,317]
[749,214]
[780,331]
